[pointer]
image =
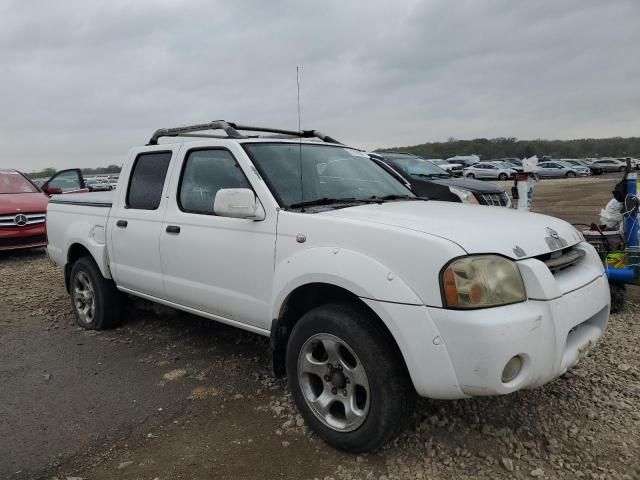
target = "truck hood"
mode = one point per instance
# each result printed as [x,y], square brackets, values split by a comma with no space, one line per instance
[13,203]
[476,228]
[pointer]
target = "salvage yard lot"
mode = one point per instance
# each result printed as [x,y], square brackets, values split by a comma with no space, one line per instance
[171,396]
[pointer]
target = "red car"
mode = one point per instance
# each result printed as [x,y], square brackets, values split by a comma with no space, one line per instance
[22,212]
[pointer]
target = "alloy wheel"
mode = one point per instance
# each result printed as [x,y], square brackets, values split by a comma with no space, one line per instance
[84,298]
[333,382]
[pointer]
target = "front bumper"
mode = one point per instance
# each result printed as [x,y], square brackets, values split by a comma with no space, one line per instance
[460,353]
[550,336]
[14,238]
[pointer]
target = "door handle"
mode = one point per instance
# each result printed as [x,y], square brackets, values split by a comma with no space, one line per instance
[122,223]
[173,229]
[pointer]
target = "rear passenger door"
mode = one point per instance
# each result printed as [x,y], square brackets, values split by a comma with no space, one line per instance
[135,223]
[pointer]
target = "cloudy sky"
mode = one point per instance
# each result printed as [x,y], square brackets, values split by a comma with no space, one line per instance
[82,82]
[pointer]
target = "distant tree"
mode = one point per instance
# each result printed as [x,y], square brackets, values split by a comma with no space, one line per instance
[512,147]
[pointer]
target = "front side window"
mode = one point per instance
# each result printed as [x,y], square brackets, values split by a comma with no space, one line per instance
[147,180]
[301,173]
[204,173]
[13,182]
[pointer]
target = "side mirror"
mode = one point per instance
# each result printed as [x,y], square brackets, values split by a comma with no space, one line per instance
[238,203]
[52,190]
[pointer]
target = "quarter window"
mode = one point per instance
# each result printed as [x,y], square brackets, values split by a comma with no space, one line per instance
[147,180]
[204,173]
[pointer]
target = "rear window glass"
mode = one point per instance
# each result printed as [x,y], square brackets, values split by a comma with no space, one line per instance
[147,180]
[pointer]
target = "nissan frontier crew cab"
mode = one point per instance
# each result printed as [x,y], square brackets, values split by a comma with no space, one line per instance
[369,294]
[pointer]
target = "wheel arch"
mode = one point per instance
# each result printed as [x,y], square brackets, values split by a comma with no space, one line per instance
[78,250]
[303,299]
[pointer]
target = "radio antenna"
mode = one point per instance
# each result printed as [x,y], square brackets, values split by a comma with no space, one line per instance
[300,137]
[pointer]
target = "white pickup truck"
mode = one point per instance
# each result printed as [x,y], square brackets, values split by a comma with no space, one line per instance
[369,294]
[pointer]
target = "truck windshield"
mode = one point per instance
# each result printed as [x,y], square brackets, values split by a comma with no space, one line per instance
[13,182]
[330,174]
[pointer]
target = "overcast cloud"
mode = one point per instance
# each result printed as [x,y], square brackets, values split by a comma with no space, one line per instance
[82,82]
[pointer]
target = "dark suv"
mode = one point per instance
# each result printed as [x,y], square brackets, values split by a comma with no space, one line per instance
[429,180]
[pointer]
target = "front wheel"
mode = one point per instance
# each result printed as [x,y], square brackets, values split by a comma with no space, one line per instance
[571,174]
[470,175]
[503,176]
[96,301]
[348,381]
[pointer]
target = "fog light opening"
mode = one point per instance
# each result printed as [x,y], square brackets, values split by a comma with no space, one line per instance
[512,369]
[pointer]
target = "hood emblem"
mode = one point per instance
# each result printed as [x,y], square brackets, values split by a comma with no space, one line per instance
[519,251]
[20,220]
[554,240]
[552,233]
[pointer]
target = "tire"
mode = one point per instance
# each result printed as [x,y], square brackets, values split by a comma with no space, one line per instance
[95,300]
[503,176]
[470,175]
[571,175]
[618,297]
[350,353]
[622,169]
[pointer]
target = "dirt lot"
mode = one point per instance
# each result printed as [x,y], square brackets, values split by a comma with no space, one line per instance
[169,396]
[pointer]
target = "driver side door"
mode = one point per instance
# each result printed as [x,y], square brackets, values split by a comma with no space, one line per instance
[65,181]
[221,266]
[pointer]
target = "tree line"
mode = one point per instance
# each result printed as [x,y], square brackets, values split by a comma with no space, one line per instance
[502,147]
[49,172]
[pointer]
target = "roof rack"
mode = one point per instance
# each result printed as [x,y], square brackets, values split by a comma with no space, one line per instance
[232,131]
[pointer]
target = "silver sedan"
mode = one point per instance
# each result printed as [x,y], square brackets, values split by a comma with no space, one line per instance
[489,170]
[560,169]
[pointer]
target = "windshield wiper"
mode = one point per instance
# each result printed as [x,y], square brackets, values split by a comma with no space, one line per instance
[322,201]
[375,198]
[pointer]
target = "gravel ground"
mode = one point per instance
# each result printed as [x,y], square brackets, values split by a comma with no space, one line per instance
[171,396]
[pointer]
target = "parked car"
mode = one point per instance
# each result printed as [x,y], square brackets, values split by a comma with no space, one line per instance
[610,165]
[595,170]
[464,160]
[98,184]
[22,212]
[514,163]
[368,293]
[454,169]
[634,162]
[556,168]
[429,180]
[490,171]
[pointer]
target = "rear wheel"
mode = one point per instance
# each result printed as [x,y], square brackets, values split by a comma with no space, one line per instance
[503,176]
[622,169]
[96,301]
[571,174]
[348,382]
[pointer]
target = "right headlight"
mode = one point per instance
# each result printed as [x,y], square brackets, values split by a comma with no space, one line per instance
[481,281]
[465,196]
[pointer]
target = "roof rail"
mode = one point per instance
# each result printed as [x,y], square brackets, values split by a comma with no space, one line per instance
[231,129]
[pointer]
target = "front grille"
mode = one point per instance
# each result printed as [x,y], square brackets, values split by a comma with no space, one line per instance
[494,199]
[32,219]
[21,241]
[561,259]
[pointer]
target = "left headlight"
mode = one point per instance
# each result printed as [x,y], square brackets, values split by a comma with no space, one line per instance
[481,281]
[465,196]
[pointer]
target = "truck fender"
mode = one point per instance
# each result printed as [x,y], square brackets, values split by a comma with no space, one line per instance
[361,275]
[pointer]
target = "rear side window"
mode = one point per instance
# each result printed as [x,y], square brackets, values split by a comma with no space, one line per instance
[147,180]
[204,173]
